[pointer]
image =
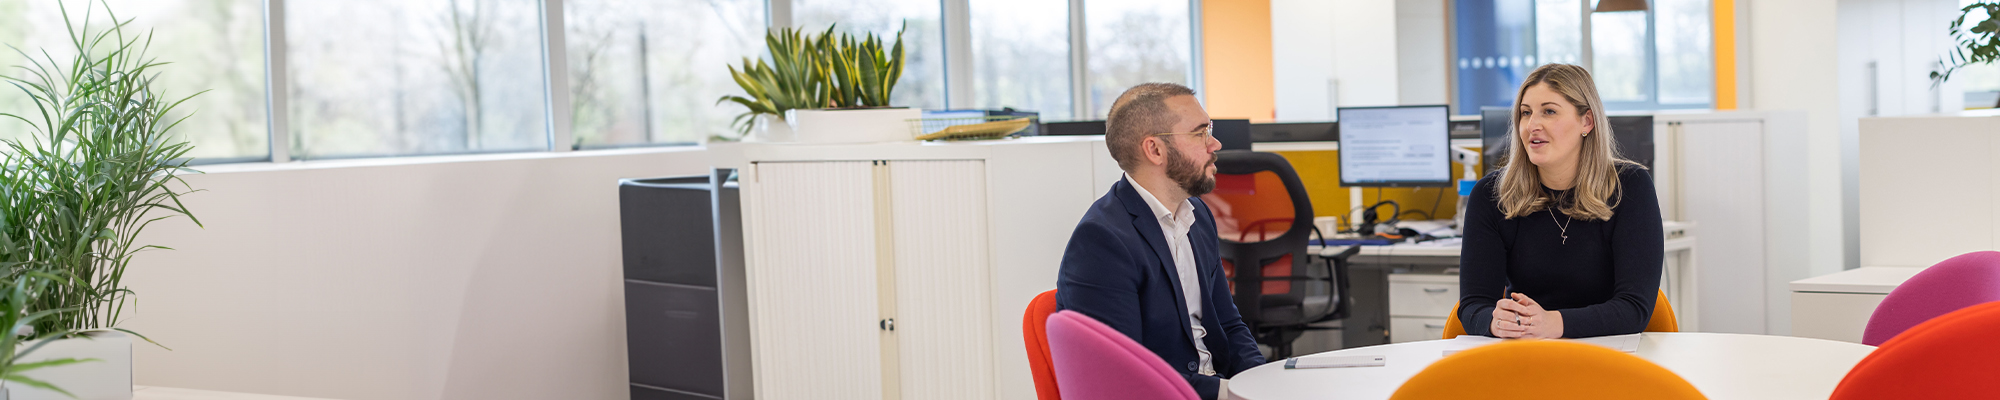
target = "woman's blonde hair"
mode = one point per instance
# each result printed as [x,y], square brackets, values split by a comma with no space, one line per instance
[1596,191]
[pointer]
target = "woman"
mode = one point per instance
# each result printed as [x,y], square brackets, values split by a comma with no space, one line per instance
[1564,242]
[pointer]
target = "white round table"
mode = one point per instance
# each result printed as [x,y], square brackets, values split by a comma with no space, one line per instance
[1721,365]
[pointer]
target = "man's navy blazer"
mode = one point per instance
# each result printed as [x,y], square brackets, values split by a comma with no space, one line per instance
[1118,271]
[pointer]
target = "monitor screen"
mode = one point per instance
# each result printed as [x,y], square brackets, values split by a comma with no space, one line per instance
[1395,146]
[1493,138]
[1233,133]
[1635,137]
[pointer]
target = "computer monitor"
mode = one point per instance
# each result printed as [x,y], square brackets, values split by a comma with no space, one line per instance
[1401,146]
[1634,134]
[1635,137]
[1233,133]
[1073,128]
[1294,132]
[1493,139]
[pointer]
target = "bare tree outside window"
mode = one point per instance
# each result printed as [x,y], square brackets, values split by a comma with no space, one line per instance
[1020,51]
[1134,42]
[649,71]
[388,77]
[213,45]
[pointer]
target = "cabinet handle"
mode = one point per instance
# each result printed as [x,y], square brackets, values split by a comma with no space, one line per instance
[1429,326]
[889,324]
[1435,290]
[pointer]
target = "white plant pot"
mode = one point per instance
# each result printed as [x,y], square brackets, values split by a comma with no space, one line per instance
[853,126]
[771,129]
[110,378]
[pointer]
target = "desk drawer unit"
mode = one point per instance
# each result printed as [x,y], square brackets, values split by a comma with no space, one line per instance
[1411,329]
[1422,295]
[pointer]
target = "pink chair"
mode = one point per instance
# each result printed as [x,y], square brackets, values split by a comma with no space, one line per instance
[1094,362]
[1956,283]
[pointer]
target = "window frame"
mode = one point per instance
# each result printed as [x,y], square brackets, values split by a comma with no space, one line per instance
[958,91]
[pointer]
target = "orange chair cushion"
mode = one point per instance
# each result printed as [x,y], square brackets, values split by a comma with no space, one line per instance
[1546,370]
[1034,330]
[1663,319]
[1952,356]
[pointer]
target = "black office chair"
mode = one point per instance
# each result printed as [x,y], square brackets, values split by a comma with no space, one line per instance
[1264,219]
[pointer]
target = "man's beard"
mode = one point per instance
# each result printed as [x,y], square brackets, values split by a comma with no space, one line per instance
[1193,178]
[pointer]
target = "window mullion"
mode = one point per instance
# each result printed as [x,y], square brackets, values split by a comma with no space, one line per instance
[277,88]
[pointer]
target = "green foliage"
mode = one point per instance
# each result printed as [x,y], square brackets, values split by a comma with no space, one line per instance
[93,173]
[1978,45]
[864,72]
[18,294]
[813,71]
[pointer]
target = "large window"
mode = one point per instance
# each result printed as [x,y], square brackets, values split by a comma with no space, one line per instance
[1134,42]
[922,85]
[643,72]
[214,45]
[384,78]
[396,77]
[1020,51]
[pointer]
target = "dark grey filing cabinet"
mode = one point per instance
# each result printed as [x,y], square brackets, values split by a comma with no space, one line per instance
[686,315]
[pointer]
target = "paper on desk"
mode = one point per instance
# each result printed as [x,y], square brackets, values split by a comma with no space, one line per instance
[1624,343]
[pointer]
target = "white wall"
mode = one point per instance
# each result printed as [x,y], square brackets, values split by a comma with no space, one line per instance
[1302,59]
[1343,51]
[1420,52]
[1903,39]
[1793,68]
[471,277]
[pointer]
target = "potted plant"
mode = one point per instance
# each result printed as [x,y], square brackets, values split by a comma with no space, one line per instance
[17,294]
[91,174]
[825,88]
[1978,45]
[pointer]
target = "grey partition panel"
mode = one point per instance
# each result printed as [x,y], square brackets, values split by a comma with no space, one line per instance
[671,332]
[686,329]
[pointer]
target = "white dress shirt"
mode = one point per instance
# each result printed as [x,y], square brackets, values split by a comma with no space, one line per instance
[1175,225]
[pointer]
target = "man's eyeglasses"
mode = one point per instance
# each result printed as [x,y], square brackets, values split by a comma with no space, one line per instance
[1198,135]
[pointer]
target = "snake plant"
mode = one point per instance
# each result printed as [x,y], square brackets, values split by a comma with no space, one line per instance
[815,71]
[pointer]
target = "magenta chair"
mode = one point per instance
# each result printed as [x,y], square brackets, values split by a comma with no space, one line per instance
[1094,362]
[1959,282]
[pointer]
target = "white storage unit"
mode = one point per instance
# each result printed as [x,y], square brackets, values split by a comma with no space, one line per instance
[1837,306]
[901,270]
[1739,175]
[1419,305]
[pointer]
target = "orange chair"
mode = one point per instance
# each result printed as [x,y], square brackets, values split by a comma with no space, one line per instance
[1661,322]
[1560,370]
[1034,330]
[1263,217]
[1952,356]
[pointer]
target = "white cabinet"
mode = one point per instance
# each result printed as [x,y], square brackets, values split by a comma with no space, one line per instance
[1837,306]
[1739,176]
[901,270]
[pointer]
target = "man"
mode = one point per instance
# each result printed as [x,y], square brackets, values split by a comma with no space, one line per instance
[1144,260]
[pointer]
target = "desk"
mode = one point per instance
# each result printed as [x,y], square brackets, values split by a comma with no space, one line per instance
[1370,273]
[1837,306]
[1721,365]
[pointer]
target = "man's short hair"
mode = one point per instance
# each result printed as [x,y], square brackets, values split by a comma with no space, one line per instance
[1138,114]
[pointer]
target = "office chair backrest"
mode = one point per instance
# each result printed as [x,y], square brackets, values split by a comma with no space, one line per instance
[1093,361]
[1560,370]
[1663,319]
[1955,283]
[1264,218]
[1952,356]
[1034,330]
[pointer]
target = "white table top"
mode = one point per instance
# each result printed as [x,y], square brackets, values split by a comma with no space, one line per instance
[1721,365]
[1864,280]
